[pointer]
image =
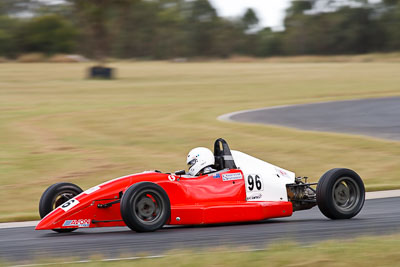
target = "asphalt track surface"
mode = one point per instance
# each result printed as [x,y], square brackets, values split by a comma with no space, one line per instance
[377,117]
[21,245]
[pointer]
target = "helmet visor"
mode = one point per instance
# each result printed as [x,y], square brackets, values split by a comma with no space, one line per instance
[192,162]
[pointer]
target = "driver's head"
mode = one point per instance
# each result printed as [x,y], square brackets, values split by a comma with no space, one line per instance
[198,159]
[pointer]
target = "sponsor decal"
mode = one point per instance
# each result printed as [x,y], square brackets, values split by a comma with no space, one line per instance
[254,197]
[171,178]
[281,172]
[231,176]
[217,175]
[69,204]
[80,223]
[91,190]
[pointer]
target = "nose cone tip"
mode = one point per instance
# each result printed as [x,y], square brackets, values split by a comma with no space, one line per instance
[44,224]
[40,226]
[49,222]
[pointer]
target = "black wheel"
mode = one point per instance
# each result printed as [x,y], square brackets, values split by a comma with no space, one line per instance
[145,207]
[56,195]
[340,194]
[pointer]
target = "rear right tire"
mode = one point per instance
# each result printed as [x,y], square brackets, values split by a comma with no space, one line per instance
[340,194]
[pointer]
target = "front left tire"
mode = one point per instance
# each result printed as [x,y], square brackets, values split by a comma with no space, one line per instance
[54,196]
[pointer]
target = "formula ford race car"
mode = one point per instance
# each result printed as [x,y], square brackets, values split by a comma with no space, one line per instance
[242,188]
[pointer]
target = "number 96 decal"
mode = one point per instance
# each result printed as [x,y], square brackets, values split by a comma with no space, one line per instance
[254,183]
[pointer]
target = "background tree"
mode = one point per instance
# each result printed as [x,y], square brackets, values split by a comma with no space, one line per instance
[390,25]
[296,24]
[202,22]
[269,43]
[13,7]
[8,29]
[163,29]
[47,34]
[229,39]
[299,7]
[250,19]
[92,15]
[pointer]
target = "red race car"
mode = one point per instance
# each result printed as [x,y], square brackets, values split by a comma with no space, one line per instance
[240,188]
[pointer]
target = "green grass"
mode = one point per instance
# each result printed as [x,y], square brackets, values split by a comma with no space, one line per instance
[367,251]
[55,125]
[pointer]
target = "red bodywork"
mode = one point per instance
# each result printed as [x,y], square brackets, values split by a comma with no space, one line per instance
[206,199]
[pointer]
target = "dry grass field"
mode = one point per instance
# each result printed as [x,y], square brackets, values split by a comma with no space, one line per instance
[55,125]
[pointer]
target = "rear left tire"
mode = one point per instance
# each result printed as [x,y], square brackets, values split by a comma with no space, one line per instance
[145,207]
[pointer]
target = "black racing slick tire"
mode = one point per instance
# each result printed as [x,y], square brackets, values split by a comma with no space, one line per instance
[54,196]
[145,207]
[340,194]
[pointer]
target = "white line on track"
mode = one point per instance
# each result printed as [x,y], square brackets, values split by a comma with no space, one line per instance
[228,116]
[382,194]
[127,258]
[89,261]
[18,224]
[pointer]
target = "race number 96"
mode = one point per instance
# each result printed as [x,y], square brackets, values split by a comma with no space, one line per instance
[254,182]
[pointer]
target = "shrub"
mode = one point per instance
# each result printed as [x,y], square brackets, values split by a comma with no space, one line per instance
[31,58]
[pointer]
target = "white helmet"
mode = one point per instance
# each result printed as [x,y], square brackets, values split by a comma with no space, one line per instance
[198,159]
